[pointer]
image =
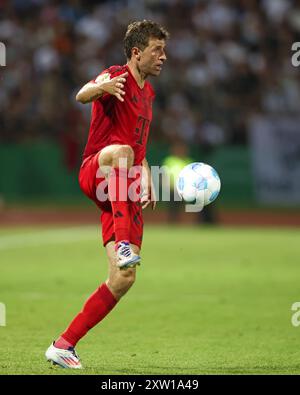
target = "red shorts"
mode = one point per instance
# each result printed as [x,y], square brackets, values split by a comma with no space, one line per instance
[89,180]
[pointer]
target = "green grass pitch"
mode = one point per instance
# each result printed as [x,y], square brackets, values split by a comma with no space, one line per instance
[206,301]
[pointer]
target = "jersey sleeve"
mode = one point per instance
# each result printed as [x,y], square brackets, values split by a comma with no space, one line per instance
[109,73]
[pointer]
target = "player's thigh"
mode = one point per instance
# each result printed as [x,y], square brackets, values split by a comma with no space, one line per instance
[89,176]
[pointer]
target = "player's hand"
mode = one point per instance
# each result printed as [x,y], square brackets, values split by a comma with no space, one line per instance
[115,86]
[153,198]
[149,198]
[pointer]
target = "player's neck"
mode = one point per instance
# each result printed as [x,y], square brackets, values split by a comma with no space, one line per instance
[138,75]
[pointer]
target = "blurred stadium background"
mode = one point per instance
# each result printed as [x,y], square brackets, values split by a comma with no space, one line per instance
[228,91]
[228,96]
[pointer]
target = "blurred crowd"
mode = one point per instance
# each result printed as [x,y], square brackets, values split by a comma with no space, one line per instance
[227,59]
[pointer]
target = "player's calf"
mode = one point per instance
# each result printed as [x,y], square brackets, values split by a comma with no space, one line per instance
[119,158]
[120,281]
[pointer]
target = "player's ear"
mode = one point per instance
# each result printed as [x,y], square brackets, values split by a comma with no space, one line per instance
[136,53]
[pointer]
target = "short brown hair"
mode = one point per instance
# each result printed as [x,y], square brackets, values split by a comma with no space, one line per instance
[138,35]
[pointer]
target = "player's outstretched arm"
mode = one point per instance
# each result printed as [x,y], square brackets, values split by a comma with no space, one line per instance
[93,90]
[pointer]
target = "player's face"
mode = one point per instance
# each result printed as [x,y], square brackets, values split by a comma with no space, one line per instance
[153,57]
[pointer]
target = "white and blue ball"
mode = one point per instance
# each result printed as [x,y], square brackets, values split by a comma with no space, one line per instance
[198,183]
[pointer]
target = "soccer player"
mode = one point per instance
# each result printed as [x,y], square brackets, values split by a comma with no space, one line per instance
[121,116]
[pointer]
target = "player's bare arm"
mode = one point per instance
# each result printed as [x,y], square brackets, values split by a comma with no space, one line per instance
[103,84]
[149,195]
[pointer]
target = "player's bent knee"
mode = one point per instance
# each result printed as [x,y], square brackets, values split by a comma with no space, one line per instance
[123,152]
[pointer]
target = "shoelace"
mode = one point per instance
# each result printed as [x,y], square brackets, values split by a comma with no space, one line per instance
[74,353]
[125,250]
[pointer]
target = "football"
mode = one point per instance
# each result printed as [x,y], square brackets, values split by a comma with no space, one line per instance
[198,183]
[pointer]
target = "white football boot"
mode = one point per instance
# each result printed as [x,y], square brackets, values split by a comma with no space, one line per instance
[126,257]
[64,358]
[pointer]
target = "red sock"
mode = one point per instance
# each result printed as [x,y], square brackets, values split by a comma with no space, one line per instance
[98,305]
[118,194]
[62,343]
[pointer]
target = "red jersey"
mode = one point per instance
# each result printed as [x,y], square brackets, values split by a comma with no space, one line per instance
[116,122]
